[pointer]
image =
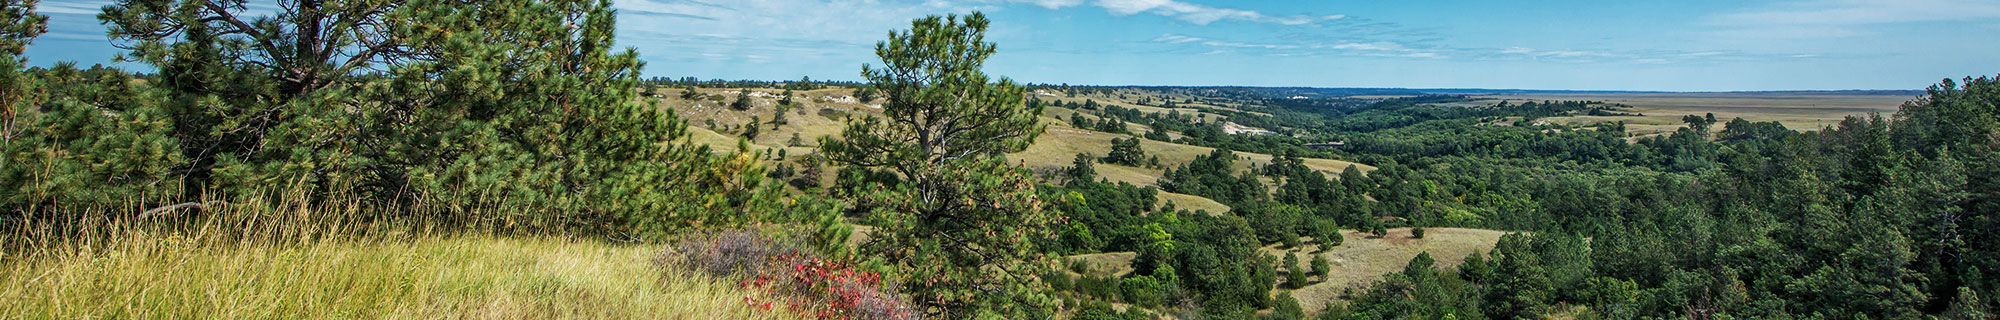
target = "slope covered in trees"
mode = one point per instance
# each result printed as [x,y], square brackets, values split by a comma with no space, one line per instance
[519,118]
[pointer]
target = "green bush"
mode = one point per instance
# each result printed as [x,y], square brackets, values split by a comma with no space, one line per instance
[1143,291]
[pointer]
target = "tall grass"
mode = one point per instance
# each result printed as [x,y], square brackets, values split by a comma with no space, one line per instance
[289,258]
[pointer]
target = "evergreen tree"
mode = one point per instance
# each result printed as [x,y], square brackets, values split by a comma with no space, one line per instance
[742,102]
[461,106]
[19,26]
[962,211]
[1332,238]
[1518,287]
[1321,267]
[1287,308]
[1125,152]
[1295,276]
[1082,169]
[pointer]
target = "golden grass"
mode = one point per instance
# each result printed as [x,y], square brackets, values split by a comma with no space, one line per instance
[1663,111]
[1361,261]
[225,271]
[1113,264]
[1193,203]
[1056,148]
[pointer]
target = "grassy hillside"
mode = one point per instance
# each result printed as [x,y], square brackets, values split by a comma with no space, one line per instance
[1663,111]
[168,275]
[1361,261]
[823,112]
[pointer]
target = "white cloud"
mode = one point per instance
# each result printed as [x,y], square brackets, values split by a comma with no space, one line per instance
[1051,4]
[1372,49]
[1201,14]
[1852,12]
[1847,18]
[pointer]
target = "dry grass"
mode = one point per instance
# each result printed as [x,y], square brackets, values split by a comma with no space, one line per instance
[1361,261]
[303,266]
[1663,111]
[1114,264]
[1193,203]
[1059,145]
[1055,149]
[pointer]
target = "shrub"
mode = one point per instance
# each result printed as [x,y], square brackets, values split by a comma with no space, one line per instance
[1320,267]
[787,276]
[1105,288]
[1287,308]
[1060,281]
[1331,239]
[1295,277]
[1417,232]
[1142,290]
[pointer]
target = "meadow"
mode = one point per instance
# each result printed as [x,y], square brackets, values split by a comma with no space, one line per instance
[269,261]
[1663,111]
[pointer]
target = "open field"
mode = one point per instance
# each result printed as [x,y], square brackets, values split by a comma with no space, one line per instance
[1663,111]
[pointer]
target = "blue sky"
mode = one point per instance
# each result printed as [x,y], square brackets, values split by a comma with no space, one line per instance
[1686,45]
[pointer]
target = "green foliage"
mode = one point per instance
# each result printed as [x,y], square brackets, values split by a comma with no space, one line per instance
[1295,276]
[1126,152]
[1417,232]
[1143,291]
[962,211]
[19,25]
[1321,267]
[866,94]
[1287,308]
[421,106]
[1520,285]
[1213,176]
[1332,238]
[742,102]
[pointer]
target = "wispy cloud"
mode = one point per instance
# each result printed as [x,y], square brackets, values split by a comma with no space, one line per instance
[72,7]
[1412,50]
[1185,11]
[1847,18]
[1373,49]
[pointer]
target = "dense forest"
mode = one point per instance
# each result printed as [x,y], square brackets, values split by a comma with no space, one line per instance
[434,113]
[1874,218]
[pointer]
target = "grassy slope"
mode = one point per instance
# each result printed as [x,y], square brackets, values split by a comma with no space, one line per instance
[1361,261]
[1663,111]
[452,277]
[1055,149]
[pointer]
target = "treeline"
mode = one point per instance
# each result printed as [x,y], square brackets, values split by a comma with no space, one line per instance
[1872,218]
[806,83]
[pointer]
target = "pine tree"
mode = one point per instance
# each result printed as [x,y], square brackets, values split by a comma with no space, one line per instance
[1332,238]
[521,105]
[962,211]
[1321,267]
[742,102]
[1125,152]
[1295,276]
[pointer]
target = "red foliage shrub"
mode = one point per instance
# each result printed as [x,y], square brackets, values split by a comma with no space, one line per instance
[788,277]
